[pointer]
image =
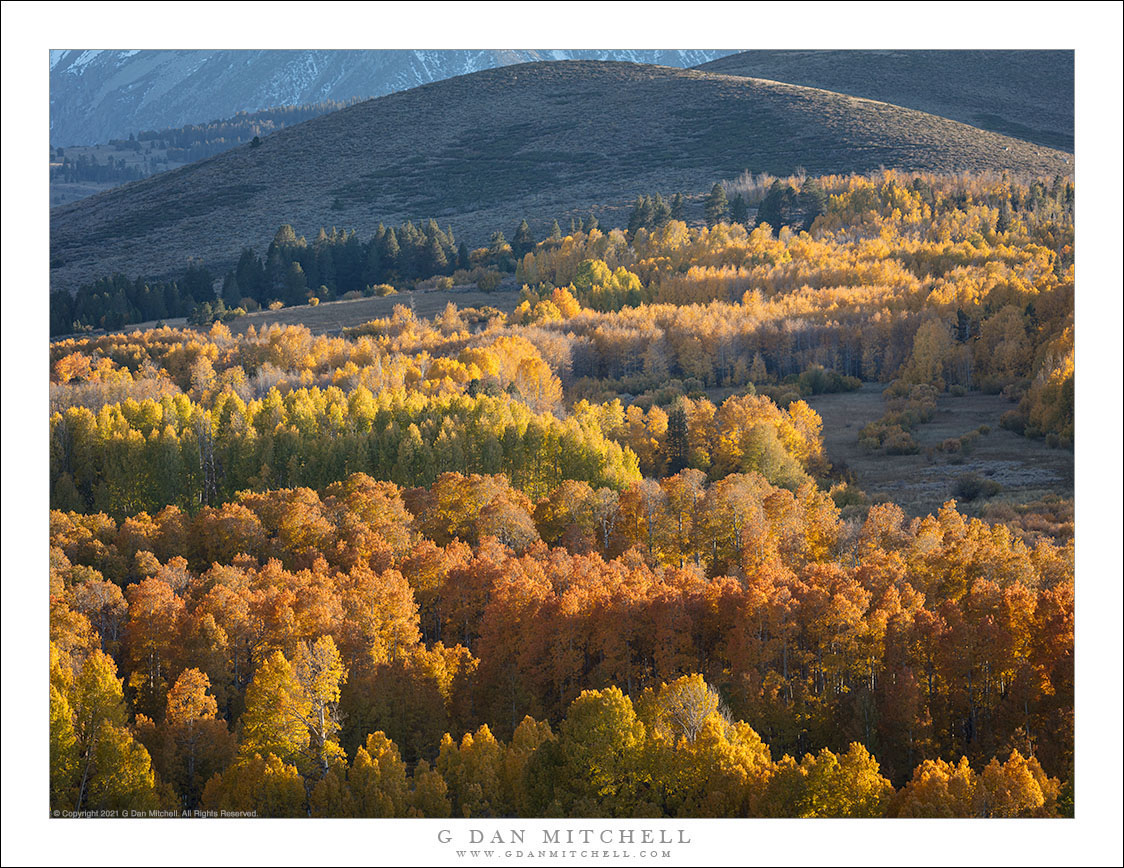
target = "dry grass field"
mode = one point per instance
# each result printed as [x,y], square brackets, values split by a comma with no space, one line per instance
[330,318]
[1026,469]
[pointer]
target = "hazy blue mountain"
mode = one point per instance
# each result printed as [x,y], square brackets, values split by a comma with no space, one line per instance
[101,95]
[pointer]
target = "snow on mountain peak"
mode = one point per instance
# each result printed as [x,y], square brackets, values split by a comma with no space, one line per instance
[99,94]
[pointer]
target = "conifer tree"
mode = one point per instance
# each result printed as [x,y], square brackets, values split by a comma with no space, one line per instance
[276,269]
[285,237]
[678,207]
[500,252]
[250,275]
[812,201]
[739,213]
[296,284]
[678,447]
[717,207]
[523,242]
[637,219]
[433,260]
[778,206]
[326,267]
[231,291]
[373,262]
[391,251]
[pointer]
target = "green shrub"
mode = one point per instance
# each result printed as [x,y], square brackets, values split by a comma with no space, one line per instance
[844,494]
[971,486]
[1013,420]
[489,281]
[817,381]
[992,385]
[901,443]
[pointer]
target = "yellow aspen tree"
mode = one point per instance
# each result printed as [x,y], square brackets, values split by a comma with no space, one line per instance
[378,779]
[277,710]
[429,796]
[319,672]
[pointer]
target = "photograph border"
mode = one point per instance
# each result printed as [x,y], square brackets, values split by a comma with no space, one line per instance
[1093,29]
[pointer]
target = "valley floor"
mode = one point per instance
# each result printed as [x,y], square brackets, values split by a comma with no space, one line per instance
[1027,469]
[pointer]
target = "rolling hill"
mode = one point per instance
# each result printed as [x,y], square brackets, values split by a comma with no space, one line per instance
[1023,94]
[101,95]
[481,151]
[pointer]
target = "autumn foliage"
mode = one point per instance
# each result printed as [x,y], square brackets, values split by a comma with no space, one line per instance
[585,560]
[299,624]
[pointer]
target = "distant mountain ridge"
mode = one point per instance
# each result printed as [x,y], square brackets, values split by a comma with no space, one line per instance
[482,151]
[1024,94]
[99,95]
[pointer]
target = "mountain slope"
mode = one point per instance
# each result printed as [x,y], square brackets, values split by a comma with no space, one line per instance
[481,151]
[1024,94]
[101,95]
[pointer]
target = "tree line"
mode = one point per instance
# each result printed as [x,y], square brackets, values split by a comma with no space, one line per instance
[292,271]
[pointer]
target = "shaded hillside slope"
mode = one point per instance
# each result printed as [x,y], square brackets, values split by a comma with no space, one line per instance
[101,95]
[482,151]
[1023,94]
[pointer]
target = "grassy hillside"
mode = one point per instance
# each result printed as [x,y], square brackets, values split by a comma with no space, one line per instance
[482,151]
[1024,94]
